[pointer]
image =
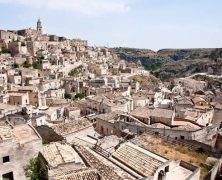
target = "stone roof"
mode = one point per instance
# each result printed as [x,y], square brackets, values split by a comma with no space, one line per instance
[164,113]
[110,100]
[145,112]
[159,125]
[110,116]
[57,154]
[107,172]
[141,112]
[67,128]
[185,124]
[198,99]
[78,174]
[139,159]
[187,127]
[184,101]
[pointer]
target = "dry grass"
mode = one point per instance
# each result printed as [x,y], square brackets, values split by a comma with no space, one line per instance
[175,152]
[150,82]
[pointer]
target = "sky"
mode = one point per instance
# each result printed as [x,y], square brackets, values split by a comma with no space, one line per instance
[150,24]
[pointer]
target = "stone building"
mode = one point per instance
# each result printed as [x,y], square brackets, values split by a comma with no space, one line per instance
[102,104]
[156,115]
[39,27]
[21,99]
[17,146]
[72,112]
[105,123]
[61,161]
[78,42]
[7,36]
[53,38]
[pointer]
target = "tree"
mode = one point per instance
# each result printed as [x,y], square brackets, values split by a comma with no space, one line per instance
[36,65]
[26,65]
[33,171]
[80,95]
[37,61]
[76,71]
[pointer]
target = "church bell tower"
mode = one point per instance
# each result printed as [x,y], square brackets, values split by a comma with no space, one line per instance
[39,26]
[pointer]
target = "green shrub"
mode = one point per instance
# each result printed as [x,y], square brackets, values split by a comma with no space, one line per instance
[26,65]
[153,66]
[6,51]
[36,65]
[76,71]
[33,171]
[200,150]
[80,95]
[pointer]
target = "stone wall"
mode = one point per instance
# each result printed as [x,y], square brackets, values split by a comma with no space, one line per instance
[136,129]
[214,172]
[196,171]
[48,134]
[19,155]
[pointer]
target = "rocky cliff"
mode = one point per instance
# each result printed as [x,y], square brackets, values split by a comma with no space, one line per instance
[169,63]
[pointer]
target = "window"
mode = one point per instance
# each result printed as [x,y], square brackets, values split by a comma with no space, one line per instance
[161,175]
[8,176]
[166,169]
[6,159]
[182,137]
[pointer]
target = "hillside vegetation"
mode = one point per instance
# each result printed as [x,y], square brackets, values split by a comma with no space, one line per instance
[169,63]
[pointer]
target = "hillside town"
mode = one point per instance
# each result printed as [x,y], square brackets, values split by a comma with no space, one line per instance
[70,111]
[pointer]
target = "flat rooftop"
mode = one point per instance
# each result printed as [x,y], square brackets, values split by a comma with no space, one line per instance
[5,133]
[9,107]
[179,173]
[25,133]
[22,133]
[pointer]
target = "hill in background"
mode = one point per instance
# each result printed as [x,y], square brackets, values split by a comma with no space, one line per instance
[169,63]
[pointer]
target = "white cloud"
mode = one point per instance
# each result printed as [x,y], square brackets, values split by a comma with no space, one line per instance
[87,7]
